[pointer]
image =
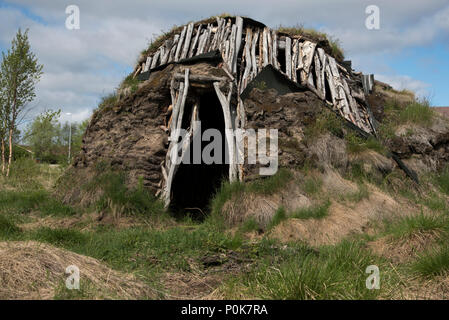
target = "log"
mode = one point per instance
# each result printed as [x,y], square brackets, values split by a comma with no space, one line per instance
[186,47]
[253,55]
[208,39]
[228,129]
[171,56]
[288,57]
[238,41]
[265,47]
[319,84]
[168,45]
[295,55]
[247,60]
[147,64]
[201,42]
[195,42]
[323,62]
[270,47]
[199,78]
[308,53]
[180,43]
[231,54]
[155,59]
[172,155]
[275,50]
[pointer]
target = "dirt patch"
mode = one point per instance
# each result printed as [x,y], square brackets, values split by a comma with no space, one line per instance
[31,270]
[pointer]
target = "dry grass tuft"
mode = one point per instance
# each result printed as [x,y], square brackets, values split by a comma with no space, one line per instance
[30,270]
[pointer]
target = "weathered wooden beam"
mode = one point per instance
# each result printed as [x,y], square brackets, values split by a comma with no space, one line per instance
[180,44]
[265,47]
[253,55]
[275,50]
[199,78]
[147,64]
[288,57]
[247,60]
[155,59]
[195,42]
[295,48]
[238,42]
[185,49]
[171,56]
[228,130]
[231,55]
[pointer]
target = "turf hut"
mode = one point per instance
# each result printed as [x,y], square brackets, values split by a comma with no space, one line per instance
[229,73]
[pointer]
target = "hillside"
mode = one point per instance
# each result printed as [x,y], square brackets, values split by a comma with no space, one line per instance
[362,180]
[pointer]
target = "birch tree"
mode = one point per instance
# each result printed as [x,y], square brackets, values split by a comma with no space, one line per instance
[19,74]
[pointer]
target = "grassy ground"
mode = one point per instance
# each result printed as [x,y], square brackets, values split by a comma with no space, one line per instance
[208,259]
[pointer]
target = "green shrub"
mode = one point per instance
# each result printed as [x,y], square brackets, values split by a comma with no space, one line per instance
[7,228]
[313,212]
[278,217]
[433,263]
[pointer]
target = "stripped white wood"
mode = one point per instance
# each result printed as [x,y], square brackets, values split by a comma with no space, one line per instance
[269,47]
[253,55]
[167,46]
[180,43]
[247,60]
[195,42]
[323,62]
[231,55]
[155,59]
[147,64]
[275,49]
[238,41]
[265,47]
[307,59]
[295,54]
[228,130]
[185,49]
[288,57]
[171,56]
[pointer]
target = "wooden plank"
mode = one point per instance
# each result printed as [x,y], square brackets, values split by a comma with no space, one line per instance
[228,130]
[195,42]
[265,47]
[172,154]
[319,84]
[307,59]
[270,47]
[323,62]
[171,56]
[199,77]
[180,43]
[208,39]
[288,57]
[185,49]
[247,60]
[295,54]
[238,41]
[147,64]
[155,60]
[167,45]
[275,49]
[253,55]
[231,54]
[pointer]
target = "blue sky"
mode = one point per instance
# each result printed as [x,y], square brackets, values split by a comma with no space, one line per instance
[410,50]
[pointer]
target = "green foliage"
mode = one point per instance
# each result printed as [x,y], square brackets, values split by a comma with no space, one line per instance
[418,112]
[27,201]
[409,225]
[326,121]
[121,199]
[357,144]
[278,217]
[433,263]
[66,238]
[8,228]
[360,194]
[312,185]
[335,272]
[313,212]
[108,101]
[442,180]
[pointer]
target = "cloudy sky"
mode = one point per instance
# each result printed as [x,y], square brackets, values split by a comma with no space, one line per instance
[410,50]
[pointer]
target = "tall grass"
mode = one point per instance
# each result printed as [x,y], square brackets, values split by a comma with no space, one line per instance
[433,263]
[406,226]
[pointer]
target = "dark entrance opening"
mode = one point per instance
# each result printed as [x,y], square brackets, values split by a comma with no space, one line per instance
[194,184]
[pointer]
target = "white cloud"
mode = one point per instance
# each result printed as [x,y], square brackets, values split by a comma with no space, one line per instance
[400,82]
